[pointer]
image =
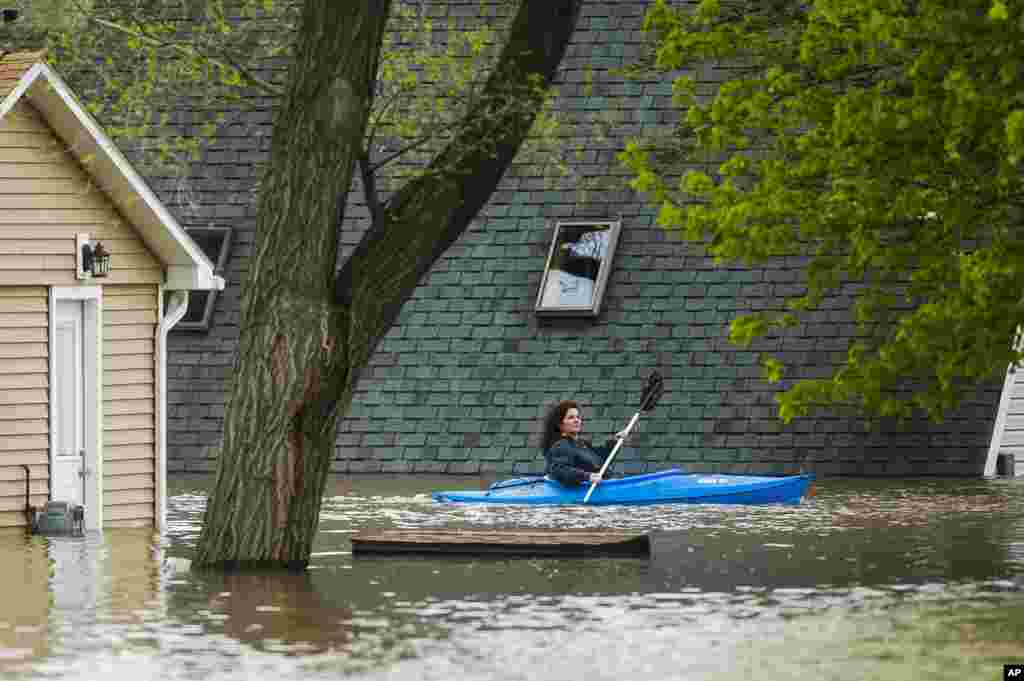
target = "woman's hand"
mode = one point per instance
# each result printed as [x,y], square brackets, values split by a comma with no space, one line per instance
[622,435]
[595,477]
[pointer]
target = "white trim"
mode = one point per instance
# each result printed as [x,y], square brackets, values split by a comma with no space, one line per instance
[1000,425]
[19,91]
[189,278]
[77,292]
[81,240]
[1005,399]
[92,323]
[168,318]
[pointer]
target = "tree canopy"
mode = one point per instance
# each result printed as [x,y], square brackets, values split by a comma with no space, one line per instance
[164,76]
[882,141]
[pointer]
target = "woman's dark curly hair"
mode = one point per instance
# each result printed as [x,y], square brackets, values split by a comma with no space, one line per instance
[553,422]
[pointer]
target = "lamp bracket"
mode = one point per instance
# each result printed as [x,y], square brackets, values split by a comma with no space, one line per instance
[82,245]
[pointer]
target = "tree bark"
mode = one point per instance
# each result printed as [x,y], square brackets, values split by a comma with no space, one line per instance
[306,335]
[291,370]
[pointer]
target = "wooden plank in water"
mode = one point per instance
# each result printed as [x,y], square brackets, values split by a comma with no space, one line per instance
[459,541]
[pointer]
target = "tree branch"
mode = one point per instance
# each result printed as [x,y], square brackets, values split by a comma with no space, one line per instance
[376,117]
[429,213]
[369,186]
[225,62]
[416,144]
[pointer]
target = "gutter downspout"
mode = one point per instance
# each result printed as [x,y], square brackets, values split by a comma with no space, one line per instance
[176,309]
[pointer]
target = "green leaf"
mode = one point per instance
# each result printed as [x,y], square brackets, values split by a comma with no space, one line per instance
[697,183]
[743,330]
[773,369]
[882,149]
[1015,135]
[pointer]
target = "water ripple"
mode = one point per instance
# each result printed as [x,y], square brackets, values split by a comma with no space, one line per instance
[870,579]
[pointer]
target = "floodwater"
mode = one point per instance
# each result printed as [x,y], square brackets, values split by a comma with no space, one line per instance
[909,579]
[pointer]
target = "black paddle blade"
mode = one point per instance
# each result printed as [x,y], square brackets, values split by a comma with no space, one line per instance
[653,389]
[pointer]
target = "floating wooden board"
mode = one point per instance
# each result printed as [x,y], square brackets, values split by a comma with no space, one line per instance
[502,542]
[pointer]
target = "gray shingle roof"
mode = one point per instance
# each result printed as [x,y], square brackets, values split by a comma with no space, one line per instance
[460,382]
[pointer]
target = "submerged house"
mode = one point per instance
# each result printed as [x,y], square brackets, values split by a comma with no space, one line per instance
[504,324]
[87,253]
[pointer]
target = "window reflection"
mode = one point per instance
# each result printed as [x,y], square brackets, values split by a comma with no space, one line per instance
[575,268]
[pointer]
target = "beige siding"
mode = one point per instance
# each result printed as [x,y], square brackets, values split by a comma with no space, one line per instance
[46,198]
[129,407]
[24,415]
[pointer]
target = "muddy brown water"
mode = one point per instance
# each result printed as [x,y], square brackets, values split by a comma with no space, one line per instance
[870,579]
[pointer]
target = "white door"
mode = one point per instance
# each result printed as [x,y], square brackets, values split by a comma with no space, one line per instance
[68,452]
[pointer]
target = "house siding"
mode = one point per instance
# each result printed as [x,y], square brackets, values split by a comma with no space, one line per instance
[460,382]
[46,198]
[24,400]
[1010,438]
[129,404]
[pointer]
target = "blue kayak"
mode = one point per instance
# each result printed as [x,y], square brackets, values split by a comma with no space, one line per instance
[666,487]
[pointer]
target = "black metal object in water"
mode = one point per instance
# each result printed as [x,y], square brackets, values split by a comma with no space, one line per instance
[55,518]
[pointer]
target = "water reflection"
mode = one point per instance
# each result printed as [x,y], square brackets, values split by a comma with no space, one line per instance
[25,610]
[876,577]
[286,609]
[57,591]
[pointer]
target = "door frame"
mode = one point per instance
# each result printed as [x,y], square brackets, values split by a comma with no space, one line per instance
[92,385]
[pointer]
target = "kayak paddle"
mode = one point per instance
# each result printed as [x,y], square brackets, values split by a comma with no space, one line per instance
[648,398]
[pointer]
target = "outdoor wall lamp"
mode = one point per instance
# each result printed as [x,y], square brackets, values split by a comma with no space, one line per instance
[93,258]
[96,260]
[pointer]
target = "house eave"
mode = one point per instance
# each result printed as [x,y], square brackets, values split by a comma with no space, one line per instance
[189,278]
[115,177]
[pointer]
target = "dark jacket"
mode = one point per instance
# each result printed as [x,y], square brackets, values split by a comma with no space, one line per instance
[571,462]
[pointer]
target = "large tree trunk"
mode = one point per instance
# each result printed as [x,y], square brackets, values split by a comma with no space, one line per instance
[300,355]
[292,369]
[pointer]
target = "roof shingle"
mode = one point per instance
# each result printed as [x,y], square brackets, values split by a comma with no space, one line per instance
[13,66]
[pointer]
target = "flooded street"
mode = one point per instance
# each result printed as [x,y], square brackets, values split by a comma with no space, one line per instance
[868,580]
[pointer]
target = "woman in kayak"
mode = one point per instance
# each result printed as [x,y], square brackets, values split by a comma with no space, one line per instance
[570,459]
